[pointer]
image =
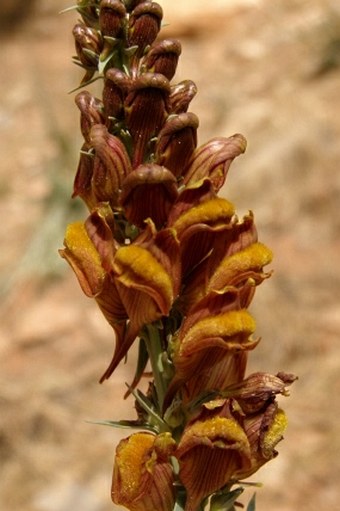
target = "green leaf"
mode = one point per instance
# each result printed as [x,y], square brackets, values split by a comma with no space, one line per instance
[142,360]
[224,501]
[252,503]
[124,424]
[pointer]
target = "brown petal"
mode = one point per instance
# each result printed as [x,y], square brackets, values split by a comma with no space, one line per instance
[111,14]
[181,95]
[213,160]
[264,431]
[148,192]
[162,57]
[111,165]
[259,389]
[91,112]
[116,85]
[209,453]
[146,110]
[144,25]
[176,142]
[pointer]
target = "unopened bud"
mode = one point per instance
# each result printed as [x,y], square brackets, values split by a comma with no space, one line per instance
[163,57]
[116,85]
[146,108]
[177,141]
[181,96]
[144,25]
[91,112]
[111,15]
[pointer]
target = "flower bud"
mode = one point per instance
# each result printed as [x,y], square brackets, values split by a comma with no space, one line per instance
[111,165]
[88,43]
[111,14]
[82,183]
[144,25]
[176,142]
[148,192]
[146,108]
[116,85]
[181,95]
[91,112]
[163,58]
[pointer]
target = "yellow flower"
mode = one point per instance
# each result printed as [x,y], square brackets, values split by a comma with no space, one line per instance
[143,479]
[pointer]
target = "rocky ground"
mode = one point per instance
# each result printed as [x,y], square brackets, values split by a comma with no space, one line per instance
[270,70]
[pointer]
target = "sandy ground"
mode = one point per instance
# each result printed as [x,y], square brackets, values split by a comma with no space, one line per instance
[270,70]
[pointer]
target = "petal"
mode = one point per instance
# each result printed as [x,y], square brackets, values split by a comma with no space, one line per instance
[240,266]
[181,95]
[84,259]
[148,192]
[176,142]
[163,57]
[146,109]
[209,453]
[264,431]
[90,112]
[111,164]
[144,25]
[142,478]
[213,160]
[144,285]
[213,348]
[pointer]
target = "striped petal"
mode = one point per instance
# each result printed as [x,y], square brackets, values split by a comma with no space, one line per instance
[142,478]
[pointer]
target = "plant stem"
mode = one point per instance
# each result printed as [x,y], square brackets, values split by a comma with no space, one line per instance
[154,347]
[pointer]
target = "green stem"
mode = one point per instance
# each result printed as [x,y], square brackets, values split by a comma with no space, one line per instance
[154,347]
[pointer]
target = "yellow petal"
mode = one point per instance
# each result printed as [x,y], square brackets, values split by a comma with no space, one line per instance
[143,479]
[208,212]
[250,259]
[136,268]
[209,453]
[84,259]
[222,326]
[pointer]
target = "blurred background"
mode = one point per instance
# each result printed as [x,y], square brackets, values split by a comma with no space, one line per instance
[268,69]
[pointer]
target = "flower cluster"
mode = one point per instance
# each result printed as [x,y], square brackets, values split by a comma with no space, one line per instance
[171,266]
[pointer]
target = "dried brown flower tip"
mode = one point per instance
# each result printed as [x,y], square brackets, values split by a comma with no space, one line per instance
[163,58]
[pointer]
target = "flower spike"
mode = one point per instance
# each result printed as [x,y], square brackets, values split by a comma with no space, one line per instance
[172,268]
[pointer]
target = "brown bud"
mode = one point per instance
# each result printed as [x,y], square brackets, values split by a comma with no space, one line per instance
[88,44]
[181,96]
[111,165]
[146,108]
[177,141]
[111,16]
[82,182]
[90,112]
[116,85]
[148,192]
[144,25]
[163,57]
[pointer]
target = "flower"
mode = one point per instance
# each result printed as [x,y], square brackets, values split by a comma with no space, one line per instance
[212,449]
[143,478]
